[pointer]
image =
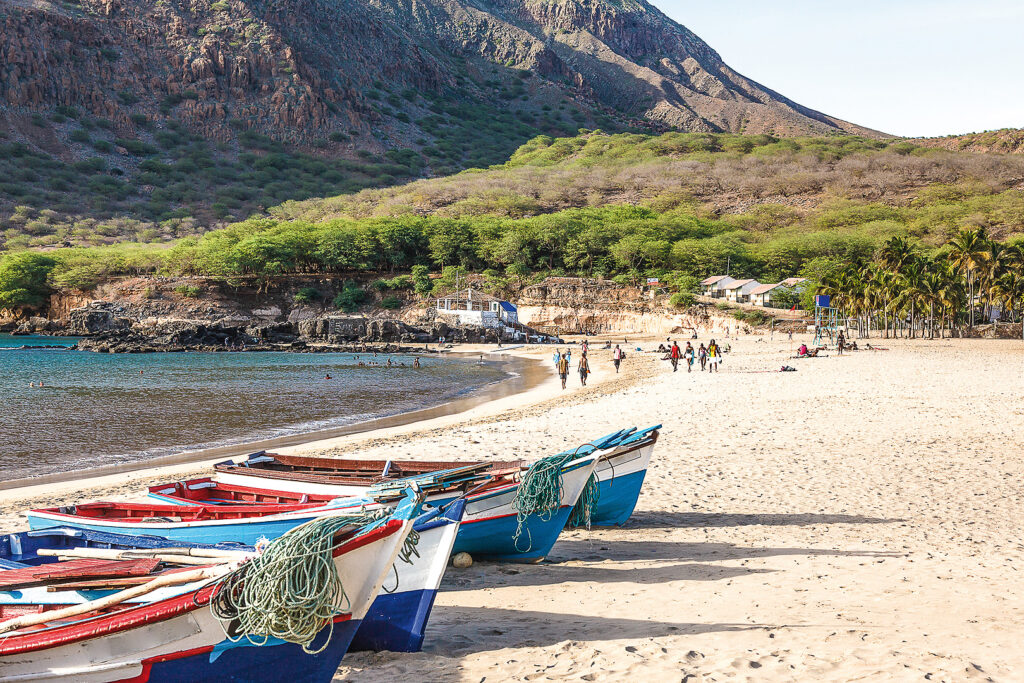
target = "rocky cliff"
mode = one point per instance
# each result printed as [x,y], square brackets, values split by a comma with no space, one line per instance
[448,83]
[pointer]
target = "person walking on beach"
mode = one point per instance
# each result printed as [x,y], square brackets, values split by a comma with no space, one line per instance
[617,358]
[688,356]
[714,356]
[840,343]
[568,355]
[563,369]
[555,357]
[675,354]
[702,355]
[584,369]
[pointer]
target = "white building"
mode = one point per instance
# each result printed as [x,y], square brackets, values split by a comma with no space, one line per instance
[738,291]
[476,308]
[715,285]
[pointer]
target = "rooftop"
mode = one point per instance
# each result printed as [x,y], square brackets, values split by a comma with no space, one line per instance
[713,279]
[739,283]
[761,289]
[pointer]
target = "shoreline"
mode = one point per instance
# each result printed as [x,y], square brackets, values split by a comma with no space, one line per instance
[530,382]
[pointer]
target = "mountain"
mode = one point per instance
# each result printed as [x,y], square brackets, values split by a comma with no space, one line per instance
[171,115]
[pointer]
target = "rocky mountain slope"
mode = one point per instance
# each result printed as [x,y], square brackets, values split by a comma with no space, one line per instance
[182,109]
[1003,141]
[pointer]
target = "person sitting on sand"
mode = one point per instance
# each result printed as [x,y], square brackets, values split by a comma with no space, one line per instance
[802,351]
[563,369]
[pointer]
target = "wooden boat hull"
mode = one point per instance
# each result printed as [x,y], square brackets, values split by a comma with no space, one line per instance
[621,476]
[179,639]
[247,531]
[396,621]
[489,523]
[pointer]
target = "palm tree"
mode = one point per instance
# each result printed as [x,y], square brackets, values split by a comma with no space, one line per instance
[967,253]
[1009,290]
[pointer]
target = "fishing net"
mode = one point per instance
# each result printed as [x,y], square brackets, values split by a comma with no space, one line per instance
[540,493]
[292,590]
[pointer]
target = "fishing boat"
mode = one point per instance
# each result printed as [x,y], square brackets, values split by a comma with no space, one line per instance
[341,477]
[192,524]
[185,637]
[396,620]
[625,456]
[499,525]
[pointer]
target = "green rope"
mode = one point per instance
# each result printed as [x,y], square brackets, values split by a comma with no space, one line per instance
[290,591]
[586,503]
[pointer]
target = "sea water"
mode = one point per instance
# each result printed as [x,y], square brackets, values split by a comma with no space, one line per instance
[100,409]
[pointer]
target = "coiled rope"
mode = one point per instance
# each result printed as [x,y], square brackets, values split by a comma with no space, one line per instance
[292,590]
[540,493]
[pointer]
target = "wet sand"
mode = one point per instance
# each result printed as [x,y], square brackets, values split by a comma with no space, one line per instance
[858,519]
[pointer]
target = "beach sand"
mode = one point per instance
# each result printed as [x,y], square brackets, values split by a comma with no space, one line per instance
[859,519]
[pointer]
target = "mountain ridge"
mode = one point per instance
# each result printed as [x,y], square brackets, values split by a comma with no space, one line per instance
[177,116]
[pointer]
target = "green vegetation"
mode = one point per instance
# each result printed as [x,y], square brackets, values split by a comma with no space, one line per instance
[187,291]
[181,185]
[307,295]
[351,298]
[909,292]
[624,207]
[23,279]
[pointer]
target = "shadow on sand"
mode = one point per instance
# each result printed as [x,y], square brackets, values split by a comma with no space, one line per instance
[464,630]
[674,520]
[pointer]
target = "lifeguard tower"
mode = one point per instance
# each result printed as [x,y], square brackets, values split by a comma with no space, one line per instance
[826,321]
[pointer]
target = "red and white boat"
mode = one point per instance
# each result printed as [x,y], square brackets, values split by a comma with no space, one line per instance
[175,638]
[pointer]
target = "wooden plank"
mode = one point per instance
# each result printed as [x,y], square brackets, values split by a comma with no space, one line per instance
[76,569]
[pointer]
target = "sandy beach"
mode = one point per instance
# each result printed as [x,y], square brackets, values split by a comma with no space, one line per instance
[858,519]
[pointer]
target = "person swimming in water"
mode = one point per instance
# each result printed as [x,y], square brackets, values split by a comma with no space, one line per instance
[415,362]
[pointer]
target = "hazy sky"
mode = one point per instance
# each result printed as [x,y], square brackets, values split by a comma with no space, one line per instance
[907,67]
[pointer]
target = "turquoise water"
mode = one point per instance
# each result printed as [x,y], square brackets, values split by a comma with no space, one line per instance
[100,409]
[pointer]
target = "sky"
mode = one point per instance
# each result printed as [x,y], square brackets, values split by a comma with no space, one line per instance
[906,67]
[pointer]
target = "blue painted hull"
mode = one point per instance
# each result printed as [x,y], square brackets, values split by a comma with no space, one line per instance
[248,533]
[395,622]
[493,538]
[244,663]
[617,500]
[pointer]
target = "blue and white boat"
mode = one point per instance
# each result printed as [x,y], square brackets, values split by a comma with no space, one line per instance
[396,620]
[180,638]
[625,456]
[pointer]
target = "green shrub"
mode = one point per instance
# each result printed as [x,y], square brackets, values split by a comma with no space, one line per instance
[682,300]
[391,302]
[307,295]
[187,291]
[79,135]
[350,298]
[421,280]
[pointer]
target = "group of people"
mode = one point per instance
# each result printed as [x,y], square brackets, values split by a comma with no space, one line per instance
[709,356]
[563,361]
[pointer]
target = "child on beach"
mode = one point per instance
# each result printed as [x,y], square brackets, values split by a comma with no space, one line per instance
[563,369]
[702,355]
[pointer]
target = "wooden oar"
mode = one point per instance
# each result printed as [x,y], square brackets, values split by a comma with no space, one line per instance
[169,555]
[175,579]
